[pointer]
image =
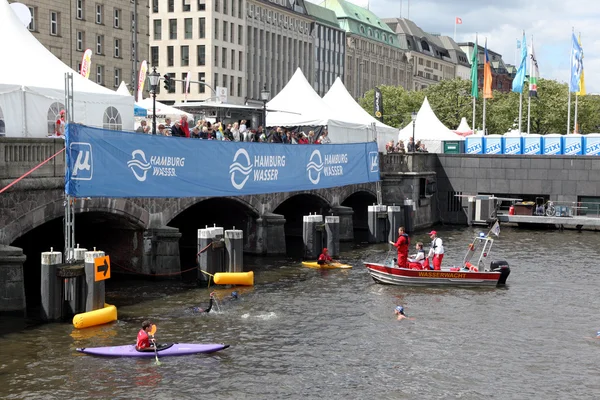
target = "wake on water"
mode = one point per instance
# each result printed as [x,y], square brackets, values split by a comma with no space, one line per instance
[270,315]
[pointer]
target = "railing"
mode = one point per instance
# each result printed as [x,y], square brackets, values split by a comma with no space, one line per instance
[407,162]
[19,155]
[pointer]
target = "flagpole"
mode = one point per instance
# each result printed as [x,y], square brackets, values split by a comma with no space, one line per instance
[484,112]
[569,104]
[576,98]
[529,89]
[473,127]
[520,110]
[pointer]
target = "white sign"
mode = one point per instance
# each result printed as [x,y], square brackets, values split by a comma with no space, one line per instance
[222,94]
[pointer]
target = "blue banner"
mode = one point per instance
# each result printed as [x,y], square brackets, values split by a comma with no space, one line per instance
[105,163]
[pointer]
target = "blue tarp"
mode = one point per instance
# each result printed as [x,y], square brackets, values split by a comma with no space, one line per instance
[139,111]
[105,163]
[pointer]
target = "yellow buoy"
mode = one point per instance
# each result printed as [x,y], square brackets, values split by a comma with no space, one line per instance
[234,278]
[96,317]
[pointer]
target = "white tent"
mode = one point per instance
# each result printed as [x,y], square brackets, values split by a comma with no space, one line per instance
[122,89]
[429,130]
[32,87]
[297,104]
[163,110]
[463,128]
[341,101]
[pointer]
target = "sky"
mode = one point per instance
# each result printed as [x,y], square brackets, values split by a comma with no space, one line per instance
[550,22]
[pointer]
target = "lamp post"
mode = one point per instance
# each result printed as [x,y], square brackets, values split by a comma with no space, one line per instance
[413,116]
[264,96]
[154,80]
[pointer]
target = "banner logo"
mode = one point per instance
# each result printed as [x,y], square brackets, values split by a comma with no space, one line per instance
[314,167]
[139,165]
[82,169]
[243,169]
[373,161]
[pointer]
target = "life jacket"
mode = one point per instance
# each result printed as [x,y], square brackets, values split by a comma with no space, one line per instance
[407,239]
[424,259]
[471,267]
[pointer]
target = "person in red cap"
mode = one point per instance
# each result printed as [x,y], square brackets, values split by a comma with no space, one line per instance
[324,258]
[436,250]
[402,245]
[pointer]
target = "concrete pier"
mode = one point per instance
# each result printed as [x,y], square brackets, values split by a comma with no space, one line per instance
[377,219]
[95,292]
[312,236]
[74,288]
[51,290]
[395,221]
[234,250]
[161,252]
[346,222]
[332,234]
[12,286]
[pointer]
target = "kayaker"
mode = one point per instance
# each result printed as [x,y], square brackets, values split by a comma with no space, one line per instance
[402,245]
[144,339]
[205,310]
[399,311]
[325,258]
[436,250]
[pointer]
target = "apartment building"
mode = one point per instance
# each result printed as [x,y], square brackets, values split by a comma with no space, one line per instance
[68,27]
[205,38]
[458,57]
[373,54]
[502,73]
[279,40]
[431,61]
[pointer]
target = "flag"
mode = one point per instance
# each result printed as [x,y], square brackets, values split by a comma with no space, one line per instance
[534,73]
[142,80]
[86,63]
[518,44]
[576,65]
[458,21]
[487,76]
[517,83]
[474,66]
[378,104]
[582,79]
[496,228]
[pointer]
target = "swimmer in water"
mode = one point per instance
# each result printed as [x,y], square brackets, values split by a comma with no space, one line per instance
[205,310]
[399,311]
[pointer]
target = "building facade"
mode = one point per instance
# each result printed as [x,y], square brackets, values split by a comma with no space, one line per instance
[204,38]
[329,49]
[68,27]
[431,61]
[458,57]
[502,73]
[373,54]
[279,40]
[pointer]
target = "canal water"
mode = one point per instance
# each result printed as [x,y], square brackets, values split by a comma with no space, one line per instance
[305,333]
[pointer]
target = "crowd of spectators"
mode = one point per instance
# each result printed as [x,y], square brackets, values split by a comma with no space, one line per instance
[410,147]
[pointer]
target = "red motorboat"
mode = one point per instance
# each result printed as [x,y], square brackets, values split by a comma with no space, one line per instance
[467,275]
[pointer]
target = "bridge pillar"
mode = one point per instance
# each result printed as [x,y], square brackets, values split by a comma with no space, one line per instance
[395,221]
[268,237]
[377,215]
[161,252]
[346,224]
[12,287]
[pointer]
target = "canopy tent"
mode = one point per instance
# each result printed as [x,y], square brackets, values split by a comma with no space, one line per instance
[139,111]
[463,128]
[32,87]
[341,101]
[122,89]
[163,110]
[297,104]
[429,130]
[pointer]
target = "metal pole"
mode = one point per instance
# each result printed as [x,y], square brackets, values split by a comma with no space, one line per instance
[575,129]
[265,116]
[414,144]
[520,110]
[528,114]
[484,116]
[154,112]
[569,112]
[474,121]
[69,208]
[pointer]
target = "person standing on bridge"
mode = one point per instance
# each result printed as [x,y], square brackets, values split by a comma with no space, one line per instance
[436,250]
[402,245]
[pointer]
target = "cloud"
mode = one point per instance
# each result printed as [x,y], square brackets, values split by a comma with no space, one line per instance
[502,23]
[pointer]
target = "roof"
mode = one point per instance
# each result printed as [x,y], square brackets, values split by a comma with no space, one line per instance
[321,14]
[457,55]
[413,38]
[362,22]
[211,104]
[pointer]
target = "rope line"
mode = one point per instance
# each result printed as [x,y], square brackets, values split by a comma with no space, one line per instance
[30,171]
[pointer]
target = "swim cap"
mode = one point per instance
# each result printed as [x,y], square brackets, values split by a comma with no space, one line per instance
[234,294]
[481,234]
[598,333]
[400,309]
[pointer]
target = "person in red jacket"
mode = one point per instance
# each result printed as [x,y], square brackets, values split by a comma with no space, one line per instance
[143,337]
[324,258]
[185,128]
[402,245]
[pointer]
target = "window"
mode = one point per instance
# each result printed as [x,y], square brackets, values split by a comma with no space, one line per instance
[224,30]
[100,74]
[233,59]
[53,23]
[217,5]
[117,18]
[240,33]
[216,81]
[79,38]
[427,187]
[425,45]
[224,81]
[239,87]
[231,83]
[187,5]
[117,48]
[240,63]
[435,66]
[224,57]
[170,56]
[185,55]
[154,56]
[157,29]
[225,10]
[172,87]
[201,78]
[188,26]
[33,24]
[53,114]
[154,6]
[240,9]
[428,64]
[172,29]
[171,5]
[117,77]
[112,119]
[420,61]
[201,54]
[216,56]
[80,7]
[233,8]
[232,33]
[201,28]
[99,44]
[201,5]
[99,14]
[216,29]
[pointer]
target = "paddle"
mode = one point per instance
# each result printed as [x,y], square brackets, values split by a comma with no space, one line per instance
[152,332]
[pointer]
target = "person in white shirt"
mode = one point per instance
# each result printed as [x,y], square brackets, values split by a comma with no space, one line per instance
[417,261]
[436,250]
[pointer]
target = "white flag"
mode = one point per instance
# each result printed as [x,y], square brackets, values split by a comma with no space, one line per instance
[496,229]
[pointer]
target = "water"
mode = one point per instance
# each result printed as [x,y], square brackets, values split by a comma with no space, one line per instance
[305,333]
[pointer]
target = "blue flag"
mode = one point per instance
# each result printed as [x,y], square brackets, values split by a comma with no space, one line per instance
[517,83]
[576,65]
[518,44]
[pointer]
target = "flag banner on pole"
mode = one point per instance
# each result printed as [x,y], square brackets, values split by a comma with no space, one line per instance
[534,73]
[576,65]
[378,104]
[474,66]
[518,44]
[496,229]
[517,84]
[581,91]
[487,76]
[86,63]
[142,80]
[458,21]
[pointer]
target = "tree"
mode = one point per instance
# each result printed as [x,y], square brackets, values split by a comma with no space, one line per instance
[398,104]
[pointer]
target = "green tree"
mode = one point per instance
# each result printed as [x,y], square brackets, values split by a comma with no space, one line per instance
[398,104]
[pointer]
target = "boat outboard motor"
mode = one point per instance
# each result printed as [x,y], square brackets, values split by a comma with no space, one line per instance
[503,268]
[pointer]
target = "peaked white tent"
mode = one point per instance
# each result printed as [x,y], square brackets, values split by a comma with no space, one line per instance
[122,89]
[429,130]
[341,101]
[297,104]
[463,128]
[32,87]
[163,110]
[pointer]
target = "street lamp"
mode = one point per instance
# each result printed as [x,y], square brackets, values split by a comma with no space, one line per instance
[154,80]
[413,116]
[264,96]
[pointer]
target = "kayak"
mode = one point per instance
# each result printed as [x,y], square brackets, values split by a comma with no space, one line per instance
[314,264]
[165,350]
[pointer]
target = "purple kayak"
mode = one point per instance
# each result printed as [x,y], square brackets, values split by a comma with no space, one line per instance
[165,350]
